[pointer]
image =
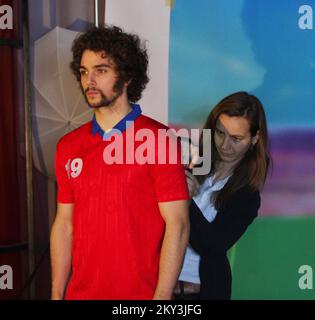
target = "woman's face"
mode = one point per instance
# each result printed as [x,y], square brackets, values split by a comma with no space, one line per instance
[232,138]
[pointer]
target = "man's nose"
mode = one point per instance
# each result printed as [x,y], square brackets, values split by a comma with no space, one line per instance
[90,79]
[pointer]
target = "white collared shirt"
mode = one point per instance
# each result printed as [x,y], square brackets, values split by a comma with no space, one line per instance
[190,270]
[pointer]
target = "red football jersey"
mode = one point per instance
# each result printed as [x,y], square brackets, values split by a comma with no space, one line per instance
[118,229]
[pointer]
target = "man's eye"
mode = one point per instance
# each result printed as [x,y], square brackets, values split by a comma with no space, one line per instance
[236,139]
[83,72]
[101,71]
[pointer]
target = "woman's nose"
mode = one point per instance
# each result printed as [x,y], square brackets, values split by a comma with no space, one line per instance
[226,144]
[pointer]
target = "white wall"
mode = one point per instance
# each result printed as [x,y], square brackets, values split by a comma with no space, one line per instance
[150,19]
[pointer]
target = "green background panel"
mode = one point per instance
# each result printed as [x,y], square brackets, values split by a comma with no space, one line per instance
[266,260]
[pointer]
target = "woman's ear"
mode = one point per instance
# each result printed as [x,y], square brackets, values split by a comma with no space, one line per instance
[255,138]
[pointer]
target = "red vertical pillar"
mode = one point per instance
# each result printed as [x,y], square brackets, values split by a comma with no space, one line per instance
[12,171]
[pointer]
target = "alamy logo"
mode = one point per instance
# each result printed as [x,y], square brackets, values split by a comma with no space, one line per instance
[6,277]
[6,17]
[158,147]
[306,280]
[306,18]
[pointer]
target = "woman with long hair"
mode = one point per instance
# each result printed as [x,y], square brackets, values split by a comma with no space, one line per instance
[228,198]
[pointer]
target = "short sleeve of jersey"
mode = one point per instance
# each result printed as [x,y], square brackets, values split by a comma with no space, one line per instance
[169,179]
[65,192]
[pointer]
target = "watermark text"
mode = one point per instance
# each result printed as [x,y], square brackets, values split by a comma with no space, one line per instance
[305,21]
[6,17]
[162,146]
[306,280]
[6,278]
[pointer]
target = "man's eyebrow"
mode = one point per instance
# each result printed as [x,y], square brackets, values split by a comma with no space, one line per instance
[103,65]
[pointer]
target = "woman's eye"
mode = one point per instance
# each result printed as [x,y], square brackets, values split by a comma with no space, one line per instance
[219,132]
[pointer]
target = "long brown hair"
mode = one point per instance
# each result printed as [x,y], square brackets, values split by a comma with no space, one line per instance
[252,170]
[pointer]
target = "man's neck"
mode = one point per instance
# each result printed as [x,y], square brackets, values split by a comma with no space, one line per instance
[108,117]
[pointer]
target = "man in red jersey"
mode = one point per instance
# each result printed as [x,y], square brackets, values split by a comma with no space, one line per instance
[121,229]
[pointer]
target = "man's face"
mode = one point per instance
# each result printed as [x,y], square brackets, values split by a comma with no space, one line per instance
[99,80]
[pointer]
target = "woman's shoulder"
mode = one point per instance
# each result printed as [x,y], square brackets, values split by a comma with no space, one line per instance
[246,192]
[245,199]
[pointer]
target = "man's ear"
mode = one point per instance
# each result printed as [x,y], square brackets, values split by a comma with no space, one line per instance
[255,138]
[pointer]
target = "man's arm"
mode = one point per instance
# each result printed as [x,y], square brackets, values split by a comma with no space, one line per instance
[60,249]
[175,241]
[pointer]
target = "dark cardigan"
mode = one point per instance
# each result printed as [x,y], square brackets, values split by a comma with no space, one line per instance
[213,240]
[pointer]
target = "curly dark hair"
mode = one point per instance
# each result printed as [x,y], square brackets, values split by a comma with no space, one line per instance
[126,51]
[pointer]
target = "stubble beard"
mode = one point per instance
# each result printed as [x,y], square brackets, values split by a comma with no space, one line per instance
[104,100]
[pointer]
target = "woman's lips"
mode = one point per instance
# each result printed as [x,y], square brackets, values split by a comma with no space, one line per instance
[226,154]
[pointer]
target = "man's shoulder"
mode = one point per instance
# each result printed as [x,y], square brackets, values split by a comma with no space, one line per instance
[75,136]
[150,123]
[160,130]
